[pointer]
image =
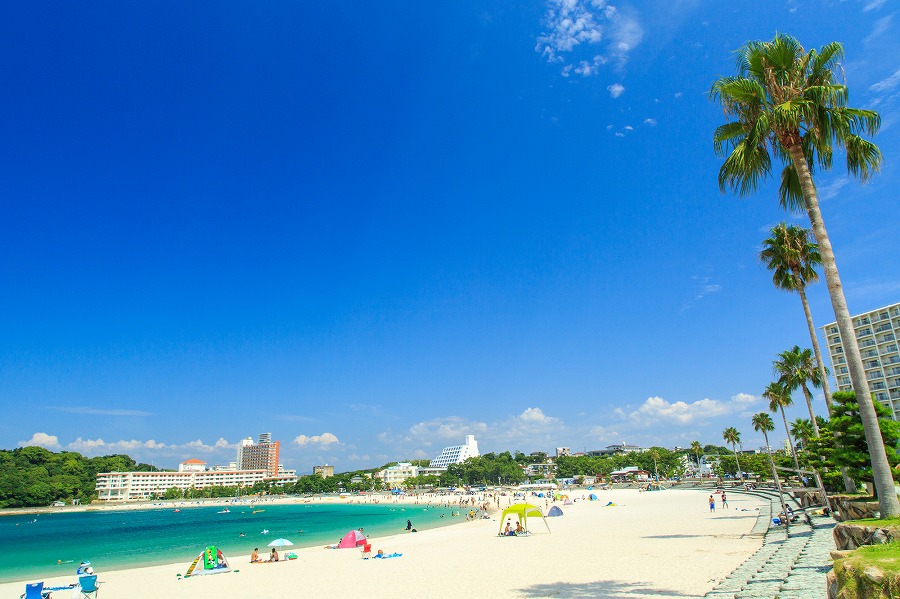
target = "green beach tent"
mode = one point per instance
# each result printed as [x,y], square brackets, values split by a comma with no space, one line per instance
[523,511]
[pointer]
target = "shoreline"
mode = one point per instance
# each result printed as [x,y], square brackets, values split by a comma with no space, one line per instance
[646,545]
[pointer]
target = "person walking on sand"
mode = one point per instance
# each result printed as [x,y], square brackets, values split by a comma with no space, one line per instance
[724,501]
[712,504]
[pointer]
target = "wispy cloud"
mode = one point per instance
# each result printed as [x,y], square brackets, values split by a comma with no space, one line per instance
[874,5]
[704,286]
[650,122]
[832,189]
[882,26]
[615,90]
[887,84]
[583,35]
[99,411]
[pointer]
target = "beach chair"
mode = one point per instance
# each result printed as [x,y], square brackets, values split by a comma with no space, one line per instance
[88,586]
[35,590]
[366,550]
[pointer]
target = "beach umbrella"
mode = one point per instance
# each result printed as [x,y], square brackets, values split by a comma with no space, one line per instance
[281,543]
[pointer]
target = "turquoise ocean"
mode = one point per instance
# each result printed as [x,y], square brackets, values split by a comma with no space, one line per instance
[31,545]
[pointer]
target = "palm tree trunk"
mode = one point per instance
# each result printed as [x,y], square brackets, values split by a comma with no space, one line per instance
[775,474]
[888,504]
[812,415]
[740,472]
[849,485]
[790,442]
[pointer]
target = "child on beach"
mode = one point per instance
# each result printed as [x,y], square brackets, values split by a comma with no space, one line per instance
[712,503]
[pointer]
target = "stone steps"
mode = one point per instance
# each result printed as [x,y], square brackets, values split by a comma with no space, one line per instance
[790,564]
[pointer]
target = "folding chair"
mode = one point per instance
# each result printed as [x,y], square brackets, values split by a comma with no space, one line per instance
[366,550]
[35,590]
[88,586]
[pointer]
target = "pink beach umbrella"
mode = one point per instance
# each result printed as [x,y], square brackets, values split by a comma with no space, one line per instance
[352,539]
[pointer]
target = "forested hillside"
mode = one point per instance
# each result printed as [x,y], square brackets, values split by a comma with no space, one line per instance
[34,476]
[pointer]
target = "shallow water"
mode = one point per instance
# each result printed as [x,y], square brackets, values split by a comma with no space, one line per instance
[112,540]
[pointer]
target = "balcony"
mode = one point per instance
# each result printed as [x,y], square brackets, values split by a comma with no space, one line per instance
[863,333]
[879,386]
[867,343]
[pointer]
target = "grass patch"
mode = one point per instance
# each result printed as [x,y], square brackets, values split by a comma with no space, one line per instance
[879,522]
[884,557]
[851,577]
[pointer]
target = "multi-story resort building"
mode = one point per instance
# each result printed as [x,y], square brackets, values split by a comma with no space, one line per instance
[130,486]
[456,454]
[876,333]
[262,455]
[394,476]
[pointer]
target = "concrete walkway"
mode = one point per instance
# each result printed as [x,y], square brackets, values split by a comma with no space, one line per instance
[790,564]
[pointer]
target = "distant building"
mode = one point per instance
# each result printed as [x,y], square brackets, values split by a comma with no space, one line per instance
[259,456]
[630,472]
[614,449]
[325,471]
[456,454]
[876,333]
[192,465]
[396,475]
[561,451]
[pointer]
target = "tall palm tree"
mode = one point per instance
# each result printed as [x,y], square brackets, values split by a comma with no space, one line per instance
[780,398]
[793,257]
[762,422]
[697,448]
[803,430]
[654,455]
[795,368]
[788,102]
[731,435]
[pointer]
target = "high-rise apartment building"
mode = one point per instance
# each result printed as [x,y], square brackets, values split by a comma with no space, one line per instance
[259,456]
[876,333]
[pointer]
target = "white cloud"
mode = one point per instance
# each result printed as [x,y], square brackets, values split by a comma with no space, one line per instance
[874,5]
[323,439]
[150,449]
[887,84]
[678,94]
[619,134]
[629,128]
[651,122]
[577,27]
[615,90]
[448,428]
[41,440]
[655,410]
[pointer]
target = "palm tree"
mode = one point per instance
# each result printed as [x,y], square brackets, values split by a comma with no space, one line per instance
[793,257]
[795,368]
[803,430]
[654,454]
[787,101]
[697,448]
[762,422]
[779,398]
[731,435]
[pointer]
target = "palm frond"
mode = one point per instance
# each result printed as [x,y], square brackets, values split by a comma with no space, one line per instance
[790,193]
[863,157]
[745,168]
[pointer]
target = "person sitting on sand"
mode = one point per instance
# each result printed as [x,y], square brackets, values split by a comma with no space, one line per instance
[519,529]
[254,557]
[273,557]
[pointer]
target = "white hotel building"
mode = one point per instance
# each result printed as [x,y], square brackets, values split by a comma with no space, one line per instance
[129,486]
[876,333]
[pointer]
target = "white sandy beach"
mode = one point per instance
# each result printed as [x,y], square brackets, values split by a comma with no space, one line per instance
[649,545]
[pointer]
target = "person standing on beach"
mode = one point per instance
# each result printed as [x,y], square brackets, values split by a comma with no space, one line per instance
[724,501]
[712,503]
[409,525]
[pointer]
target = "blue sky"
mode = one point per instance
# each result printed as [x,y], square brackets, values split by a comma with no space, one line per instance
[372,228]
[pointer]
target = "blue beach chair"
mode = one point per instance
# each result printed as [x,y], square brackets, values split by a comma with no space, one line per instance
[35,590]
[89,586]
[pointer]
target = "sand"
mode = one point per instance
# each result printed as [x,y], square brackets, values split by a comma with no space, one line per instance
[649,545]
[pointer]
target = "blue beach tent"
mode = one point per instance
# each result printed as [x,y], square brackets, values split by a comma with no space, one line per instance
[555,511]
